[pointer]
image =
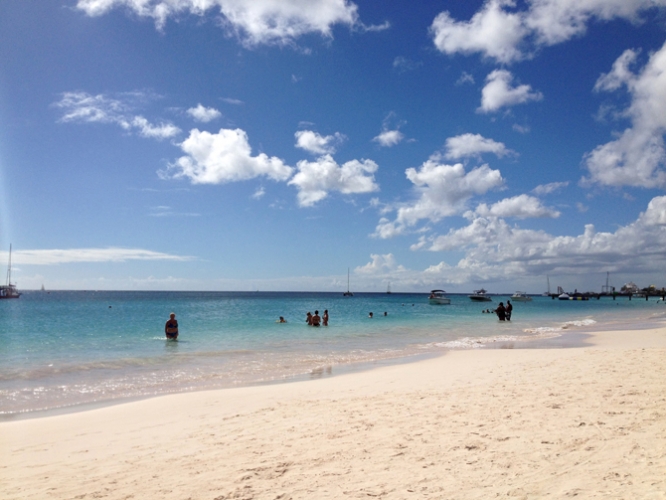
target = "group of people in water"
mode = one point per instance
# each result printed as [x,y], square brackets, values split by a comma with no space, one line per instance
[315,319]
[171,326]
[503,313]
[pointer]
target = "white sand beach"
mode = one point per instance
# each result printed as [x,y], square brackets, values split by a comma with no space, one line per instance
[519,423]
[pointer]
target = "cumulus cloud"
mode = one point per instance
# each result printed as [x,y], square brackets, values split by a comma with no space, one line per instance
[79,255]
[473,145]
[380,264]
[389,138]
[499,30]
[224,157]
[314,143]
[443,191]
[498,92]
[494,249]
[203,114]
[316,179]
[81,107]
[520,207]
[549,188]
[254,22]
[493,31]
[638,156]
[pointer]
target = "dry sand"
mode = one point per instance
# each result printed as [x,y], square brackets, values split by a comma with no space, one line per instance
[587,422]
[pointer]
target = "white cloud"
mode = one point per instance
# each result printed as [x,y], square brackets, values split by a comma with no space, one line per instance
[81,107]
[465,78]
[259,193]
[314,143]
[78,255]
[235,102]
[402,64]
[498,92]
[521,207]
[492,31]
[638,156]
[502,32]
[473,145]
[389,138]
[443,191]
[316,179]
[224,157]
[203,114]
[549,188]
[493,249]
[380,264]
[254,22]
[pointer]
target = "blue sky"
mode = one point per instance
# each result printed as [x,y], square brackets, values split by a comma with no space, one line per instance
[272,144]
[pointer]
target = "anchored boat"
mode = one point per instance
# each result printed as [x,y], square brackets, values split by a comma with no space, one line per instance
[9,291]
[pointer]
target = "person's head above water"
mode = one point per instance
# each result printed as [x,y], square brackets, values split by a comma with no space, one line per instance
[172,315]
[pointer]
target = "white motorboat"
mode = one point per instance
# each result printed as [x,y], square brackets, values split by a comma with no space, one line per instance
[437,297]
[480,296]
[564,296]
[521,297]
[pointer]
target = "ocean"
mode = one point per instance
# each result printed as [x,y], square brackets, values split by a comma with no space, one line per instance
[68,350]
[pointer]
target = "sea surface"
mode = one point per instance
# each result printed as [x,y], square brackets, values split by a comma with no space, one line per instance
[67,350]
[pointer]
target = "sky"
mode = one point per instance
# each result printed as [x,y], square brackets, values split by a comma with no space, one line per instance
[275,144]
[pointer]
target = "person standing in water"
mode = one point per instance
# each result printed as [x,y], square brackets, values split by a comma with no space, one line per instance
[501,312]
[325,318]
[509,308]
[171,327]
[316,319]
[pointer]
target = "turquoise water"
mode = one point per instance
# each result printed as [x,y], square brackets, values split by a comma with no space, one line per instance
[63,349]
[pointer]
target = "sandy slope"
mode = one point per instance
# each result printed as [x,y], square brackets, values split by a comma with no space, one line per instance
[588,422]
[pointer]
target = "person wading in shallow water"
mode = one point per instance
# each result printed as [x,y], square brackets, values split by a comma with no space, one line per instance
[171,327]
[509,308]
[501,312]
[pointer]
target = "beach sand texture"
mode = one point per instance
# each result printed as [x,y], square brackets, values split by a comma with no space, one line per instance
[548,423]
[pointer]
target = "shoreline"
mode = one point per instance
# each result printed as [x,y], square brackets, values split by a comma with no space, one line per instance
[567,340]
[470,424]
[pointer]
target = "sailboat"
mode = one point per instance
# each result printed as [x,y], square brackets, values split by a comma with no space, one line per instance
[9,291]
[348,293]
[547,294]
[388,287]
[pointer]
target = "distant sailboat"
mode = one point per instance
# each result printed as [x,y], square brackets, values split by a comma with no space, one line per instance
[348,293]
[9,291]
[546,294]
[388,287]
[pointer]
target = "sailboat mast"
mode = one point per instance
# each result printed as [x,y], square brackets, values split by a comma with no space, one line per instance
[9,266]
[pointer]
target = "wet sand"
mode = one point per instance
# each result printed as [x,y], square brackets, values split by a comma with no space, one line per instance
[485,423]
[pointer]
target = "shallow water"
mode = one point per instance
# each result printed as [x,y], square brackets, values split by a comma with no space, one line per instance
[62,349]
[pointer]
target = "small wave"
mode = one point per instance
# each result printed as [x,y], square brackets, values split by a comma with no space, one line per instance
[546,330]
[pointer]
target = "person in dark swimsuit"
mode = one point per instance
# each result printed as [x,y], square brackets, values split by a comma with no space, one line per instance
[509,308]
[501,312]
[171,327]
[325,318]
[316,319]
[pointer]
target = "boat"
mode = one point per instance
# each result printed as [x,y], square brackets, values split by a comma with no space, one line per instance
[437,297]
[564,296]
[521,297]
[547,293]
[9,291]
[388,287]
[480,295]
[347,293]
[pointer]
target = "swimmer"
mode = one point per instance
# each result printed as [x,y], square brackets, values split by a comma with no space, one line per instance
[316,319]
[308,318]
[281,320]
[325,318]
[385,313]
[171,327]
[370,315]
